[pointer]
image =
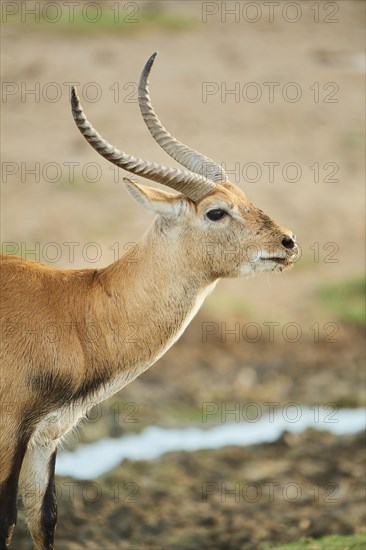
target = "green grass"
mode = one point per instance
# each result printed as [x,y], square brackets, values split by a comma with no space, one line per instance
[129,18]
[346,300]
[335,542]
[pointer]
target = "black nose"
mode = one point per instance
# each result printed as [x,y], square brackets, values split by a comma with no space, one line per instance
[288,242]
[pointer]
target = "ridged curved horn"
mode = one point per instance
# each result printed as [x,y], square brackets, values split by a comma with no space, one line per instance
[191,185]
[187,157]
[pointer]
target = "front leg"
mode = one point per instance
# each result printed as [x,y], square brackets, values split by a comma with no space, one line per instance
[12,450]
[37,485]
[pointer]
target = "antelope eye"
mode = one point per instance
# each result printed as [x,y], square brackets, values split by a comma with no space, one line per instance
[216,214]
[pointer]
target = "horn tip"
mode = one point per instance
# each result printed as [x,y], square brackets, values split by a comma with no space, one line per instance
[76,108]
[150,62]
[74,95]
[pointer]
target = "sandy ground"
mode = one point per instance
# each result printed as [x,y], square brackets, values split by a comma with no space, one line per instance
[323,130]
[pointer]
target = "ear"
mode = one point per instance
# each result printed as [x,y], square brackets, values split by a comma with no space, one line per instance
[162,203]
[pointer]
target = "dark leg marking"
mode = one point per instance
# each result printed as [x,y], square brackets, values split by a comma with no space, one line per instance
[49,507]
[8,498]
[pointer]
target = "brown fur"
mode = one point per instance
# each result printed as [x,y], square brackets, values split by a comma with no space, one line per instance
[71,337]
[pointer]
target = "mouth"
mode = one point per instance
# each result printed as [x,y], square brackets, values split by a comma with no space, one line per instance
[281,263]
[278,260]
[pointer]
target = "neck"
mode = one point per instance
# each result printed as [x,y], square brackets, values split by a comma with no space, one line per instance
[147,299]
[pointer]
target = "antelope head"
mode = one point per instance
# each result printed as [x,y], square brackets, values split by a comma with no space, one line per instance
[210,224]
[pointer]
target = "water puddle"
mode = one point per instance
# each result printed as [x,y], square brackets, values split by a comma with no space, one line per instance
[92,460]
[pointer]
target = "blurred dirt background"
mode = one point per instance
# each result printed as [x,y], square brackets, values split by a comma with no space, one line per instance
[316,352]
